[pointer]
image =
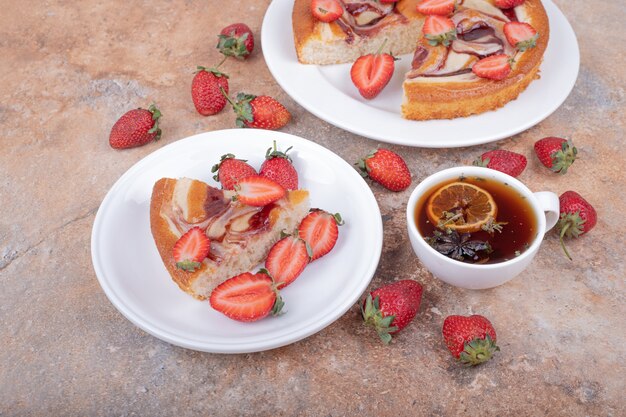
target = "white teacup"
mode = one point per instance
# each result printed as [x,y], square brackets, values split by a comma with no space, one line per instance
[480,276]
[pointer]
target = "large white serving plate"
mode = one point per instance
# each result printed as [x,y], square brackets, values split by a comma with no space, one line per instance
[328,92]
[135,280]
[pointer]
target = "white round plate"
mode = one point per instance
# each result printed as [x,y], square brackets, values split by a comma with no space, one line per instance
[327,91]
[135,280]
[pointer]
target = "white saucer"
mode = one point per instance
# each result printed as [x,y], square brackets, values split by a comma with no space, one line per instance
[135,280]
[328,92]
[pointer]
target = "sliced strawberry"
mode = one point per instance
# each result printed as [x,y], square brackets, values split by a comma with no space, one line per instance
[191,249]
[371,73]
[258,191]
[508,4]
[494,67]
[287,259]
[521,35]
[439,30]
[247,297]
[326,10]
[437,7]
[319,229]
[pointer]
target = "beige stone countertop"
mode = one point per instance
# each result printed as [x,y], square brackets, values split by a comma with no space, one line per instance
[70,69]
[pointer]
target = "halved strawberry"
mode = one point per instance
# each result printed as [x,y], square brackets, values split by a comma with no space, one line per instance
[326,10]
[191,249]
[247,297]
[494,67]
[319,229]
[508,4]
[258,191]
[521,35]
[438,7]
[439,30]
[287,259]
[371,73]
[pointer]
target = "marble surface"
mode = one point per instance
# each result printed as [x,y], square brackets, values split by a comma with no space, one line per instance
[70,69]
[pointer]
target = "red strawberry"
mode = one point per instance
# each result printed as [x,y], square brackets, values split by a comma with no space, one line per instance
[389,1]
[371,73]
[577,217]
[247,297]
[206,93]
[191,249]
[556,153]
[494,67]
[320,230]
[326,10]
[471,339]
[287,259]
[258,191]
[230,171]
[391,307]
[136,128]
[438,7]
[236,40]
[261,112]
[521,35]
[387,168]
[508,4]
[278,167]
[510,163]
[439,30]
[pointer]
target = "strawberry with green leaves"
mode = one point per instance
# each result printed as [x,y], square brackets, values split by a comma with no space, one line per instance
[236,40]
[206,91]
[392,307]
[191,249]
[558,154]
[439,30]
[278,166]
[136,128]
[386,168]
[521,35]
[577,217]
[471,340]
[229,170]
[262,112]
[247,297]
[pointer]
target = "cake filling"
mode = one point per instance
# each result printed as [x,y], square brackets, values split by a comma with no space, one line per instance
[366,18]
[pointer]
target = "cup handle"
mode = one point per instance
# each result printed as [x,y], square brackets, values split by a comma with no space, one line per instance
[549,202]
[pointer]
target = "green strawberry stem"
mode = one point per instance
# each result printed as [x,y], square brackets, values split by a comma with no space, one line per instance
[373,316]
[564,230]
[277,309]
[381,47]
[222,61]
[478,351]
[242,108]
[156,115]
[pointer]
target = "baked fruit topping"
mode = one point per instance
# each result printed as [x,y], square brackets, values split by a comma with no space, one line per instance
[521,35]
[326,10]
[439,30]
[494,67]
[437,7]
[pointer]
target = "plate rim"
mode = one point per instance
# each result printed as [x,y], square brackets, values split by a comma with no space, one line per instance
[249,346]
[388,136]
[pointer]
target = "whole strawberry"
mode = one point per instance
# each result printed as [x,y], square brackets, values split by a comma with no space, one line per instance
[262,112]
[236,40]
[278,167]
[392,307]
[206,90]
[471,339]
[230,170]
[386,168]
[577,217]
[136,128]
[556,153]
[510,163]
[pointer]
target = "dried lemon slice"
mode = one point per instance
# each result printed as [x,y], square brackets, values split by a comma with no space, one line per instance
[462,207]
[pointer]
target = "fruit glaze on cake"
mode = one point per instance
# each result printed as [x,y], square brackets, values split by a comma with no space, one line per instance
[476,58]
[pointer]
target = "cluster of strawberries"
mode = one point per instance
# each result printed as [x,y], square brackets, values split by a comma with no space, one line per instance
[577,215]
[248,296]
[209,92]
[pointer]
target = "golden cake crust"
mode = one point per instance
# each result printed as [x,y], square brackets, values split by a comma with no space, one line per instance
[447,100]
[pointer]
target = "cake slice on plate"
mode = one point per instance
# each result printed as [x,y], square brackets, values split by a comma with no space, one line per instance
[240,235]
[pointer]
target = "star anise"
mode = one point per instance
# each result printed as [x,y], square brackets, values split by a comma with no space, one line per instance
[457,246]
